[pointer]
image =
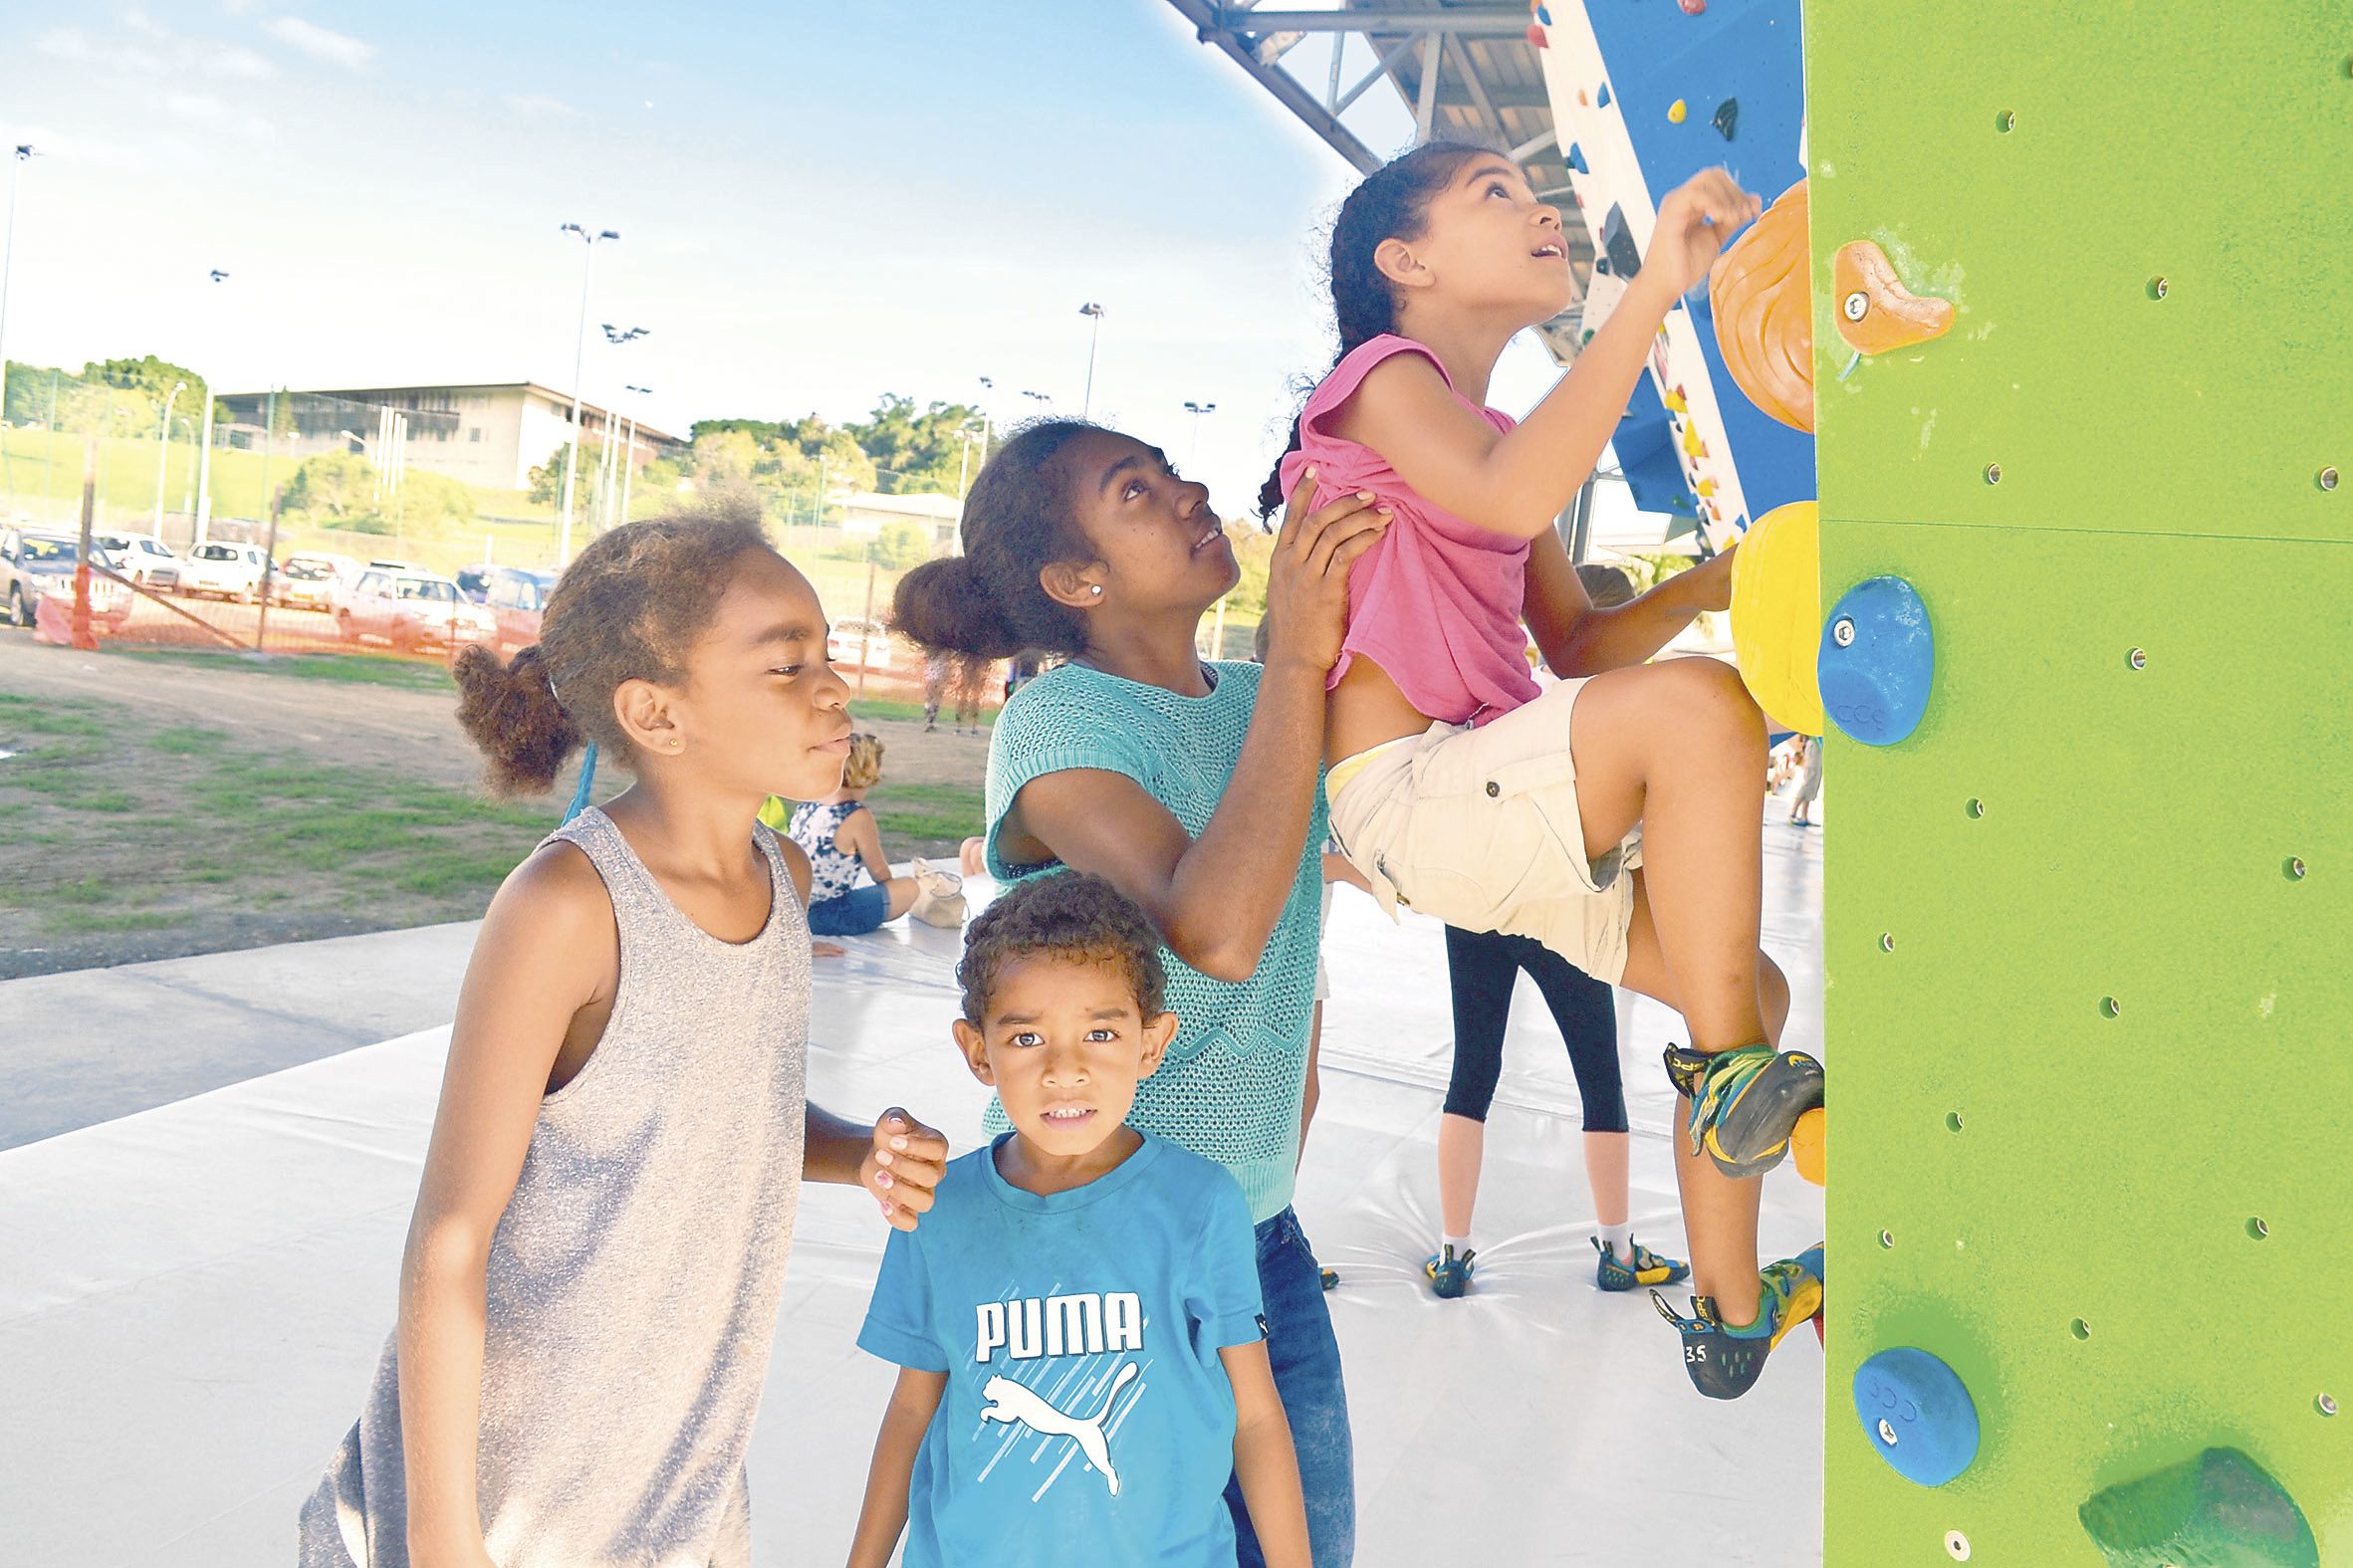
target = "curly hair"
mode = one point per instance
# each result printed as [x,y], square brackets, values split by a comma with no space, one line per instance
[1068,915]
[863,770]
[986,604]
[628,609]
[1391,203]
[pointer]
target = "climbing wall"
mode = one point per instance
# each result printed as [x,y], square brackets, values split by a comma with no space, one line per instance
[2088,990]
[1645,94]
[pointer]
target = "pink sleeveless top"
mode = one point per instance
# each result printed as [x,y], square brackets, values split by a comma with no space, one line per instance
[1436,601]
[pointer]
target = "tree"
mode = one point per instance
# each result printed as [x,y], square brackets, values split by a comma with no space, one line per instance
[901,546]
[547,480]
[917,452]
[331,488]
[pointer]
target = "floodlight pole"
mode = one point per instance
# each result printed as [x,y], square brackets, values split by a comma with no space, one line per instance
[580,348]
[163,450]
[1197,410]
[1094,312]
[17,156]
[204,451]
[629,462]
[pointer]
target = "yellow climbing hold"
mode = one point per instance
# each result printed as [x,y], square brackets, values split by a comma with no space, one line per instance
[1690,441]
[1777,614]
[1677,112]
[1706,487]
[1675,401]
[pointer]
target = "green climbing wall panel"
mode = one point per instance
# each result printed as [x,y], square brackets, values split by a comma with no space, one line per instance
[2089,989]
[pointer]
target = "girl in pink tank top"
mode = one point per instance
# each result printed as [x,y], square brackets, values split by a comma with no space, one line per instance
[1616,815]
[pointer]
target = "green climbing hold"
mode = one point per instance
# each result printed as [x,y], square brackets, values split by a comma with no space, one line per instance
[2218,1510]
[1726,118]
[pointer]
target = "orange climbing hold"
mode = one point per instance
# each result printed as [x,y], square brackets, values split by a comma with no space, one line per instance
[1876,312]
[1758,294]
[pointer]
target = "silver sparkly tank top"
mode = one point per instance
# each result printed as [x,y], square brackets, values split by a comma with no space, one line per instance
[635,1276]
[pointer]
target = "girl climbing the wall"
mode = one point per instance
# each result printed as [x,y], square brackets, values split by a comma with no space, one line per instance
[1192,788]
[592,1277]
[1616,816]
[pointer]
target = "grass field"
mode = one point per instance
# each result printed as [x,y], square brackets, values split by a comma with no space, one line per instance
[127,826]
[131,835]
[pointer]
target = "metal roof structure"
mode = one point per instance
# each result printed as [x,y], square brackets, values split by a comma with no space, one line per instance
[1463,70]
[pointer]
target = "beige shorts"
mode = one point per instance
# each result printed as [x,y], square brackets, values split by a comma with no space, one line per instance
[1480,828]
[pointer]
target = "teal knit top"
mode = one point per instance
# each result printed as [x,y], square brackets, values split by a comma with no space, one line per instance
[1231,1086]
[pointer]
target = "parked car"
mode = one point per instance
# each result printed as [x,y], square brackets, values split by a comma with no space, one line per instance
[143,557]
[854,641]
[33,564]
[218,569]
[517,598]
[412,609]
[313,581]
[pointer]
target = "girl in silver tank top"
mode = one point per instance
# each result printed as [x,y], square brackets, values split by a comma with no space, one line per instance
[591,1277]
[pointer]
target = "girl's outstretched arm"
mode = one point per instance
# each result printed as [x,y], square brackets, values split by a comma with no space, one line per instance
[1519,483]
[883,1519]
[1579,637]
[1264,1460]
[1215,898]
[547,959]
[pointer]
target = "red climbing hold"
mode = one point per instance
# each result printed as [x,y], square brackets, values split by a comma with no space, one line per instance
[1535,32]
[1692,7]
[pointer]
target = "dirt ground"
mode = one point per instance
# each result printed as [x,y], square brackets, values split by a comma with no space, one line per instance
[378,726]
[333,806]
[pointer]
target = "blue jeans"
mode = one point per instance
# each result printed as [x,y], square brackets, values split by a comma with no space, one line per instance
[851,914]
[1307,1361]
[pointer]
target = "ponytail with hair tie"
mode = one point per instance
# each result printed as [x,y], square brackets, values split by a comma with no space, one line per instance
[1391,203]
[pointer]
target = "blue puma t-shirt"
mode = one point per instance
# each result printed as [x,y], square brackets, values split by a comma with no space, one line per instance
[1086,1415]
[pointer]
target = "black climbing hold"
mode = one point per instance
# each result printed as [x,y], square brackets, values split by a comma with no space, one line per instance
[1727,117]
[1625,260]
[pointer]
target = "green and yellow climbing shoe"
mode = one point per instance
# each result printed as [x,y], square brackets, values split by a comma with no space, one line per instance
[1724,1362]
[1745,1102]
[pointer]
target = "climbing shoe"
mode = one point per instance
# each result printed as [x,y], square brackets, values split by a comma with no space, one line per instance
[1724,1363]
[1745,1102]
[1648,1268]
[1448,1274]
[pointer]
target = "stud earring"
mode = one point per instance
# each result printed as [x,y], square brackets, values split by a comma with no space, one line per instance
[1096,589]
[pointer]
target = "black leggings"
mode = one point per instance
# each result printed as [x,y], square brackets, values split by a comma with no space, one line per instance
[1481,968]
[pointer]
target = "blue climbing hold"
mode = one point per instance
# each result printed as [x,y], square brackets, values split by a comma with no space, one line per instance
[1545,16]
[1576,158]
[1877,662]
[1602,95]
[1918,1415]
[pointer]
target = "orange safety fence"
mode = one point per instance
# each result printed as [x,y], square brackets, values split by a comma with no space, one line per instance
[124,615]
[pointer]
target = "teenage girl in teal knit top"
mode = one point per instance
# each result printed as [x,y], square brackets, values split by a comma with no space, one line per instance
[1195,789]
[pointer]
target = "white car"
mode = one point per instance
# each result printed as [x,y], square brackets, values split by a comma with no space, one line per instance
[411,610]
[221,569]
[143,557]
[313,580]
[853,642]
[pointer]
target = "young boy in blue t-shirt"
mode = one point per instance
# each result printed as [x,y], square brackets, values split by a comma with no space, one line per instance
[1082,1363]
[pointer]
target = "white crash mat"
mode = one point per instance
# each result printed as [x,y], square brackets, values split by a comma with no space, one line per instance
[191,1298]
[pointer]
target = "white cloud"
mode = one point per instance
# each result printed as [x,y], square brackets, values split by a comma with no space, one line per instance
[203,109]
[65,43]
[156,52]
[539,104]
[321,43]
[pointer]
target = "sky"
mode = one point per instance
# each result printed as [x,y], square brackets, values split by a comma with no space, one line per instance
[818,203]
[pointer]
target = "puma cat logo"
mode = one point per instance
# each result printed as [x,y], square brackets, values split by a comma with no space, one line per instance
[1011,1401]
